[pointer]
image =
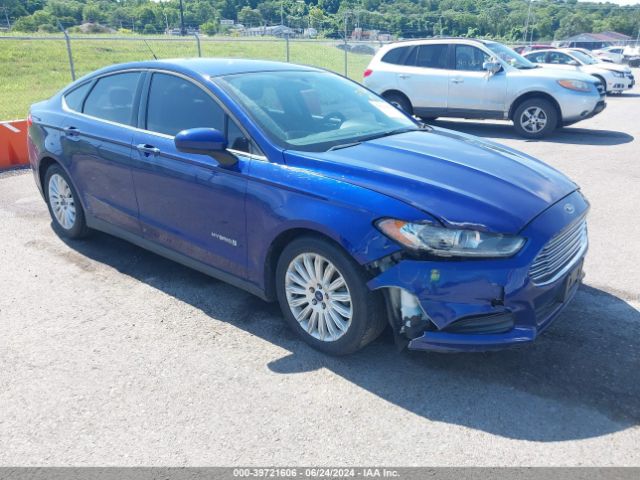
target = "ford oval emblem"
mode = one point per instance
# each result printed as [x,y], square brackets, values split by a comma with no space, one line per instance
[569,208]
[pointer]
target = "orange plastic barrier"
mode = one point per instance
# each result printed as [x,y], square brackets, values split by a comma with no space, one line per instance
[13,144]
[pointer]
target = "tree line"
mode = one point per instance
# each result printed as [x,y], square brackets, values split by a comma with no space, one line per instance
[499,19]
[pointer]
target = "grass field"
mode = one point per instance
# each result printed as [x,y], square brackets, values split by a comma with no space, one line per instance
[32,70]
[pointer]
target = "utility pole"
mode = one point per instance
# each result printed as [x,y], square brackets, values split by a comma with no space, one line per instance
[526,25]
[6,16]
[183,32]
[281,12]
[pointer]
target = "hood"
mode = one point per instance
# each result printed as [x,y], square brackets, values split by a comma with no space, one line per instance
[613,67]
[459,179]
[554,73]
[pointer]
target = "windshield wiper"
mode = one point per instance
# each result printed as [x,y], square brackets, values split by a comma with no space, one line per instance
[423,127]
[343,145]
[397,131]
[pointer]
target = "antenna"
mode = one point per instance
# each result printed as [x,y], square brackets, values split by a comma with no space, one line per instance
[154,55]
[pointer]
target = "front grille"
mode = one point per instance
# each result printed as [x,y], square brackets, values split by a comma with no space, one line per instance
[560,253]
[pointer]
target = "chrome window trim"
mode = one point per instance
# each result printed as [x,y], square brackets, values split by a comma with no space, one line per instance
[216,100]
[67,109]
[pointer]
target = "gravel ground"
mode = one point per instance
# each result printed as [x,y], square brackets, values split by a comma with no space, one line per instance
[110,355]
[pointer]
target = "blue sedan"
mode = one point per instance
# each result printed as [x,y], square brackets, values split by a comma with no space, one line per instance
[301,186]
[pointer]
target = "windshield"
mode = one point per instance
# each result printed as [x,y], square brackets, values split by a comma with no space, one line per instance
[586,59]
[509,56]
[314,111]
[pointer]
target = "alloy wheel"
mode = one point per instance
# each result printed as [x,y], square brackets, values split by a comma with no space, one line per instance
[533,119]
[318,297]
[62,201]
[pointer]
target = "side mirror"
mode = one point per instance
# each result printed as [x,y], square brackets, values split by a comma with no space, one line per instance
[573,63]
[492,67]
[205,141]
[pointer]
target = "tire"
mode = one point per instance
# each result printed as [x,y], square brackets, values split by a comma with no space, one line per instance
[296,294]
[65,209]
[542,113]
[399,101]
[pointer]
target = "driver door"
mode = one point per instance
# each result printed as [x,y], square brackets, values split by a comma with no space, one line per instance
[187,202]
[473,91]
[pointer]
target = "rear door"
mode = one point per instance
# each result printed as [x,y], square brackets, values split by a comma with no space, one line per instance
[97,141]
[473,91]
[189,203]
[423,76]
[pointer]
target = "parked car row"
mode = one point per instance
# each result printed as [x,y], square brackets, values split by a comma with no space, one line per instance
[619,54]
[481,79]
[615,78]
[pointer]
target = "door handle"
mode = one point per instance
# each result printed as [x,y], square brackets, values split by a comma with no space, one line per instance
[148,150]
[71,131]
[403,76]
[457,80]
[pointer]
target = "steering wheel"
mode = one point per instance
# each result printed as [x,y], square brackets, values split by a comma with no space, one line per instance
[333,118]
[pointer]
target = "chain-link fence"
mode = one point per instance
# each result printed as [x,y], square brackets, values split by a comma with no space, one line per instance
[35,67]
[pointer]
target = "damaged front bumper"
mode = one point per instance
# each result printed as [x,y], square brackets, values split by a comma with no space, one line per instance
[479,305]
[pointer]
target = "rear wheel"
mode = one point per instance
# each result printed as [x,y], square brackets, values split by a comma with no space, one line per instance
[399,101]
[65,209]
[535,118]
[324,297]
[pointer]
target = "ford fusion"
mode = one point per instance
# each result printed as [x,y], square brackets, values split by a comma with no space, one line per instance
[301,186]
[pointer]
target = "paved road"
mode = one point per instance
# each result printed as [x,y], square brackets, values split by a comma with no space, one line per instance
[112,355]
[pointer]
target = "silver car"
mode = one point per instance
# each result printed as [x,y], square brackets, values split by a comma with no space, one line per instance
[615,78]
[467,78]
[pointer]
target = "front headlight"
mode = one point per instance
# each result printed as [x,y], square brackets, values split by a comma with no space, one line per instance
[577,85]
[618,74]
[448,242]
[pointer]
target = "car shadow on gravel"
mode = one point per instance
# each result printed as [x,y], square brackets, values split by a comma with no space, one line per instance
[580,379]
[568,135]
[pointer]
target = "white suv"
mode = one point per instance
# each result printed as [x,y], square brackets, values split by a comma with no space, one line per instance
[467,78]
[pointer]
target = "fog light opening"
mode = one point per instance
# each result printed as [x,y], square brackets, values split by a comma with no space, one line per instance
[414,319]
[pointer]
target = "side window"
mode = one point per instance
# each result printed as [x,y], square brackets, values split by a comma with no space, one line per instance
[76,96]
[432,56]
[537,57]
[558,58]
[395,56]
[176,104]
[112,98]
[410,60]
[470,58]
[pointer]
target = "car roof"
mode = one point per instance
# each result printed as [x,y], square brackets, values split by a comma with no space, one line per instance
[421,41]
[212,67]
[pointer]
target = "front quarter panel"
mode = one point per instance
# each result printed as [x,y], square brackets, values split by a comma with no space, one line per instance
[281,198]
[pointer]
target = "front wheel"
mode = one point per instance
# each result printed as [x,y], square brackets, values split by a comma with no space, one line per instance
[535,118]
[323,296]
[399,101]
[65,209]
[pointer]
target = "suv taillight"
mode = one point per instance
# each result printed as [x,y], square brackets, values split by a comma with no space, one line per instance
[367,72]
